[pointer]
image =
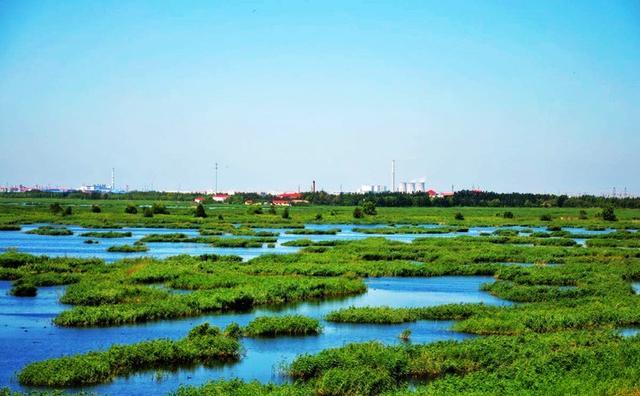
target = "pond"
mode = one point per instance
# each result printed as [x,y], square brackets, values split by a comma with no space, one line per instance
[27,335]
[74,246]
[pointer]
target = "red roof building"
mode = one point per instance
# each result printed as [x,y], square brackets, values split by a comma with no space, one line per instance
[220,197]
[199,200]
[432,193]
[290,195]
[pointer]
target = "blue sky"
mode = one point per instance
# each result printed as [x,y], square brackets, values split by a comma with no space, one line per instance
[540,96]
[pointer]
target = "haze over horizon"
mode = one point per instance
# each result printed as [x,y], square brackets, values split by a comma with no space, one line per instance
[535,97]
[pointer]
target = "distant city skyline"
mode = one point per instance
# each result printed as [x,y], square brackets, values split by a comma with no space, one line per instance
[510,97]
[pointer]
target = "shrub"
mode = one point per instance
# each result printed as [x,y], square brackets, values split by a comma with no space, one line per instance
[131,209]
[369,208]
[55,208]
[508,215]
[257,210]
[318,217]
[67,211]
[545,217]
[95,209]
[10,227]
[608,214]
[159,209]
[459,216]
[148,212]
[583,215]
[272,210]
[200,211]
[285,214]
[357,213]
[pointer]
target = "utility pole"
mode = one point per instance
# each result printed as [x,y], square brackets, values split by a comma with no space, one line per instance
[216,187]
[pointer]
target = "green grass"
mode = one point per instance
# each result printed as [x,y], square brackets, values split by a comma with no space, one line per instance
[290,325]
[559,339]
[50,230]
[128,248]
[106,234]
[307,231]
[203,345]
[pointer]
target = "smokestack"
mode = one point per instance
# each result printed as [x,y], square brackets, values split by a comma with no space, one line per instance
[313,186]
[113,179]
[393,175]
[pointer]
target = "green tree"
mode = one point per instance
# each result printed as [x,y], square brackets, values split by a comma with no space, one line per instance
[459,216]
[148,212]
[55,208]
[318,217]
[95,209]
[285,214]
[272,210]
[508,215]
[200,212]
[369,208]
[608,214]
[131,209]
[159,209]
[357,213]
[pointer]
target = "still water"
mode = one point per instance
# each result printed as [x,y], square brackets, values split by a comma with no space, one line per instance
[27,335]
[74,246]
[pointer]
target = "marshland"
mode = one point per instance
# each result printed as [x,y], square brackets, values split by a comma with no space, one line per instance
[407,300]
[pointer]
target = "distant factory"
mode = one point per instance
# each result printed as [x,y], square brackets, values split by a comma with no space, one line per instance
[101,188]
[372,188]
[415,186]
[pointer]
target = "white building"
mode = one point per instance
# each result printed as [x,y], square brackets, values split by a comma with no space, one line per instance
[372,188]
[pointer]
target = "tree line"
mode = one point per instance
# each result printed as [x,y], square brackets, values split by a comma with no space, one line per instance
[388,199]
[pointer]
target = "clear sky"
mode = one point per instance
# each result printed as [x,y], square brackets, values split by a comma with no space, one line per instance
[540,96]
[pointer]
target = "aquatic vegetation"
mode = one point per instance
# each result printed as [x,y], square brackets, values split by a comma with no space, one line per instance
[409,230]
[106,234]
[10,227]
[389,315]
[21,289]
[559,337]
[290,325]
[203,344]
[50,230]
[138,247]
[120,296]
[307,231]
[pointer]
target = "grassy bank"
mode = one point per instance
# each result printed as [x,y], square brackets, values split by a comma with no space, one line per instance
[203,345]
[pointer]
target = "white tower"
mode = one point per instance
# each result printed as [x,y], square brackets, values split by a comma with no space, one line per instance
[113,179]
[393,175]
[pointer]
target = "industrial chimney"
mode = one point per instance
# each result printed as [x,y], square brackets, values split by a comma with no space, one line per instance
[393,175]
[313,186]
